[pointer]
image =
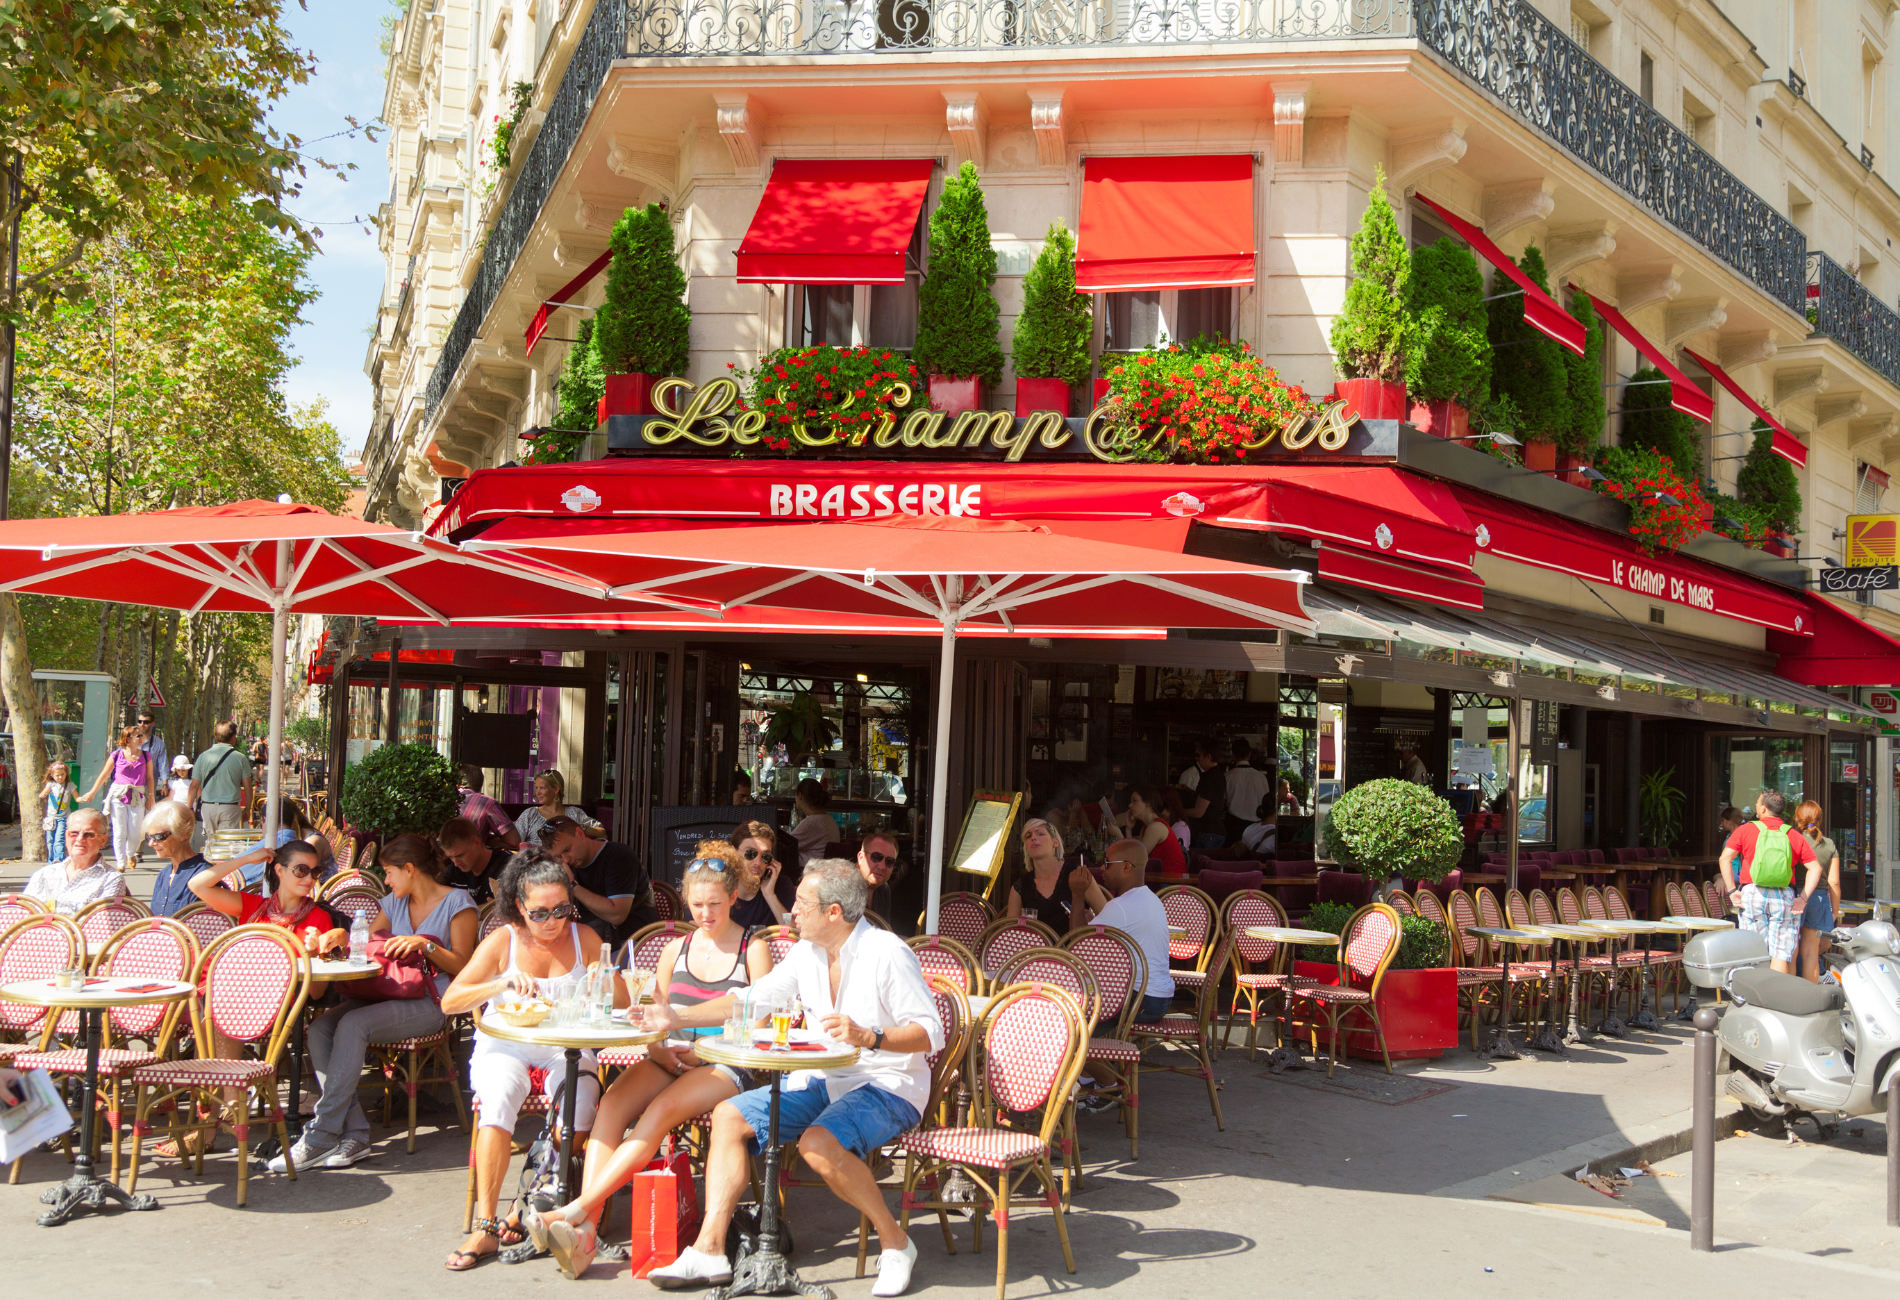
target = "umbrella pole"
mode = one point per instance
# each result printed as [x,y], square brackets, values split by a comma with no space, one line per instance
[940,777]
[279,628]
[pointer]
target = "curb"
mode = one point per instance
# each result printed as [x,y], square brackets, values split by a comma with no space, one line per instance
[1664,1145]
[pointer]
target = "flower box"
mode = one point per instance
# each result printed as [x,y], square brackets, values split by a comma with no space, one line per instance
[954,394]
[1780,544]
[628,395]
[1034,395]
[1541,456]
[1371,399]
[1441,419]
[1418,1009]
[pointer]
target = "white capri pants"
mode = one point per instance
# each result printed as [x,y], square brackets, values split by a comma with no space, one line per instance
[498,1076]
[127,819]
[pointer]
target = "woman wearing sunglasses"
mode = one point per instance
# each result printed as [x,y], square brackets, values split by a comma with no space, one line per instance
[671,1086]
[757,902]
[541,952]
[291,876]
[168,830]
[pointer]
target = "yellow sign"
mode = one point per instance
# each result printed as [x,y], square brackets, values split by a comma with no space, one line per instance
[1872,540]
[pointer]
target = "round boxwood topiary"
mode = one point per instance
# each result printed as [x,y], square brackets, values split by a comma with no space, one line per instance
[401,790]
[1394,828]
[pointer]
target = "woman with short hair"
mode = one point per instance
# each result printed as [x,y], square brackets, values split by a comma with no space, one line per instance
[550,801]
[168,830]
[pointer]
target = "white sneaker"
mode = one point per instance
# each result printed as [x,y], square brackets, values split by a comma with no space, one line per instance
[346,1153]
[697,1268]
[893,1270]
[306,1157]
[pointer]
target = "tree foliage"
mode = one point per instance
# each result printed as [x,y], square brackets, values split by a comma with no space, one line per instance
[1650,422]
[400,790]
[958,320]
[1527,366]
[1767,483]
[1052,334]
[1390,827]
[642,328]
[1368,335]
[581,383]
[1447,356]
[1584,382]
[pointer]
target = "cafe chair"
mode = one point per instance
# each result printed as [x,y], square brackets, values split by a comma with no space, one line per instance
[1188,952]
[1530,971]
[668,904]
[352,901]
[1006,937]
[1259,965]
[1476,978]
[349,879]
[1660,959]
[409,1063]
[489,920]
[205,923]
[962,916]
[1672,896]
[1714,901]
[1115,961]
[943,956]
[17,907]
[36,947]
[1024,1056]
[1069,973]
[1190,1033]
[1366,947]
[253,983]
[779,939]
[647,942]
[99,921]
[1691,901]
[1401,902]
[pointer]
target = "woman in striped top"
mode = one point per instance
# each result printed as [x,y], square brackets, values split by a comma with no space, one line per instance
[671,1086]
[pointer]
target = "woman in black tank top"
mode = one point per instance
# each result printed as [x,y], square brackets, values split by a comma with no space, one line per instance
[1040,890]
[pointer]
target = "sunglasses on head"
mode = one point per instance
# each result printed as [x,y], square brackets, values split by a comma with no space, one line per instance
[711,866]
[881,859]
[750,854]
[544,914]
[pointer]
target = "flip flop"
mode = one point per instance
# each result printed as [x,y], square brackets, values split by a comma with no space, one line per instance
[461,1261]
[511,1234]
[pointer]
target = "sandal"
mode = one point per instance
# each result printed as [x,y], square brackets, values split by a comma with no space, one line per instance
[461,1261]
[508,1231]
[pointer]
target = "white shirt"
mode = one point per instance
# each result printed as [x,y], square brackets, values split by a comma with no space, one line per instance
[1247,785]
[50,885]
[1260,836]
[180,787]
[1190,776]
[1140,915]
[815,831]
[880,986]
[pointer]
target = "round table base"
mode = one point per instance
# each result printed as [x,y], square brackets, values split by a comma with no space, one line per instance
[1547,1040]
[1286,1057]
[768,1273]
[84,1192]
[1501,1049]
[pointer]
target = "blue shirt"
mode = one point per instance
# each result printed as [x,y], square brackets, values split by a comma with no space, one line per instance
[255,871]
[171,892]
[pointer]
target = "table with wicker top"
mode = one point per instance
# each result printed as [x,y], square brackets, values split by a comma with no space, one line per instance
[1501,1048]
[766,1271]
[92,998]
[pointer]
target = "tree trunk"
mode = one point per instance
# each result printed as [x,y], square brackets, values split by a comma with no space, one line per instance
[99,653]
[23,704]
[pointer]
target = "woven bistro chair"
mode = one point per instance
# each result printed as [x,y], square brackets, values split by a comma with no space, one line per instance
[1592,963]
[1401,902]
[1194,1034]
[353,901]
[155,948]
[1532,973]
[253,983]
[945,957]
[962,916]
[489,920]
[1660,959]
[101,920]
[648,941]
[1025,1053]
[36,947]
[1071,974]
[350,879]
[1476,977]
[779,939]
[409,1063]
[205,923]
[1717,905]
[1007,936]
[1367,946]
[1189,952]
[668,904]
[17,907]
[1259,964]
[1672,897]
[1121,973]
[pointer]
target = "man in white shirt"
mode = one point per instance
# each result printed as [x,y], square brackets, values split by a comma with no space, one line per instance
[862,986]
[1247,788]
[1136,911]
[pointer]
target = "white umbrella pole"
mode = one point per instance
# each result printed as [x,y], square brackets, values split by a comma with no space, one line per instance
[279,629]
[940,776]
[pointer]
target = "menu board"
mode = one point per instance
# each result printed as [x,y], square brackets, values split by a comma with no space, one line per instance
[677,832]
[1543,737]
[984,839]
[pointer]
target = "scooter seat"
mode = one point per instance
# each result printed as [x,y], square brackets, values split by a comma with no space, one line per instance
[1789,994]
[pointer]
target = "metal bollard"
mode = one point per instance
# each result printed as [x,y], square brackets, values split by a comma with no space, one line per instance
[1702,1164]
[1893,1151]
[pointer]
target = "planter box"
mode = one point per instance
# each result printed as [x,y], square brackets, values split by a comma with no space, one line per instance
[1042,395]
[1570,467]
[628,395]
[1780,544]
[1418,1008]
[1100,389]
[954,394]
[1541,456]
[1372,399]
[1441,419]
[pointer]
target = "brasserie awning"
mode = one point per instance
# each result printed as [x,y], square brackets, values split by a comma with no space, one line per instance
[1844,651]
[1541,311]
[835,221]
[1683,393]
[1183,222]
[1786,445]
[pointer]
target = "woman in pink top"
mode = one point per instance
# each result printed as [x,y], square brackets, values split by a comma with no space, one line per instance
[128,797]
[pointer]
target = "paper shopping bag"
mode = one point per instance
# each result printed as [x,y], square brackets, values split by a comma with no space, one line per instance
[665,1211]
[31,1112]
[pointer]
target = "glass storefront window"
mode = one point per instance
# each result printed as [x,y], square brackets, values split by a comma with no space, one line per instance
[857,739]
[1846,770]
[1747,765]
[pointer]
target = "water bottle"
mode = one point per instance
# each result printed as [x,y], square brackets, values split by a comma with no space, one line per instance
[359,940]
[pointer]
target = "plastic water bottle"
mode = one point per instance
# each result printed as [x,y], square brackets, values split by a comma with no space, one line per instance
[359,940]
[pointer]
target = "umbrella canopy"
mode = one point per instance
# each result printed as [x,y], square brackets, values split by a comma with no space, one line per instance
[955,570]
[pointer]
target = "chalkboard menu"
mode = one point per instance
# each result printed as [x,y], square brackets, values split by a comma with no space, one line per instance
[678,831]
[1543,738]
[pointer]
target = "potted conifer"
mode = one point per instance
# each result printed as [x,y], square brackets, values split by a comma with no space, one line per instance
[1767,483]
[1584,385]
[1528,366]
[1651,422]
[1368,335]
[1447,356]
[957,316]
[641,330]
[1050,347]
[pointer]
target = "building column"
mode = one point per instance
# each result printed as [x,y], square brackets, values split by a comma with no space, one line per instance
[1633,782]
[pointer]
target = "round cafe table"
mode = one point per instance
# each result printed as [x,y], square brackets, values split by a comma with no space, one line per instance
[575,1039]
[766,1271]
[1501,1048]
[1644,1018]
[91,998]
[1286,1055]
[1576,936]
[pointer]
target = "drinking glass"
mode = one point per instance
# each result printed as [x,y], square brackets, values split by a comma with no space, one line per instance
[781,1025]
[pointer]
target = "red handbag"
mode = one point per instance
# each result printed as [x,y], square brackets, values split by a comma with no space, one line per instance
[400,979]
[665,1210]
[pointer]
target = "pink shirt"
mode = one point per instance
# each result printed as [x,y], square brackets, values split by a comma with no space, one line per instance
[128,769]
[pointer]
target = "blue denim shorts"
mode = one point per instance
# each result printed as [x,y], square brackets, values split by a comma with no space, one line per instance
[862,1120]
[1820,912]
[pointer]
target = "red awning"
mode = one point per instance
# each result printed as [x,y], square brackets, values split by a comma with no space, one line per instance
[1165,223]
[1541,311]
[834,221]
[564,296]
[1786,445]
[1843,651]
[1357,567]
[1547,541]
[1683,393]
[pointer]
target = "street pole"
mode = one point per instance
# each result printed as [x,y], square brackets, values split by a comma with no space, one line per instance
[1702,1162]
[1893,1151]
[1514,734]
[16,184]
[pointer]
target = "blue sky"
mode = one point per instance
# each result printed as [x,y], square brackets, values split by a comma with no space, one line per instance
[348,273]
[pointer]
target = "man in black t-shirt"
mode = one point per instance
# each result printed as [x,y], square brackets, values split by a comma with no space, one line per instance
[609,883]
[1208,817]
[477,867]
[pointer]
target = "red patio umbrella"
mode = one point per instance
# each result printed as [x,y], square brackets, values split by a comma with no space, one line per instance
[955,571]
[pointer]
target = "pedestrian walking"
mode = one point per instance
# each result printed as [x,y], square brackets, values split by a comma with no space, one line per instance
[128,796]
[59,797]
[1767,853]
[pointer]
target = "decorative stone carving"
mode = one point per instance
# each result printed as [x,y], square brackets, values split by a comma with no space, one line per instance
[1734,351]
[1576,246]
[1635,292]
[1686,320]
[596,214]
[573,252]
[742,126]
[1867,439]
[647,161]
[969,125]
[1289,123]
[1841,406]
[1506,207]
[1411,158]
[1045,119]
[1793,385]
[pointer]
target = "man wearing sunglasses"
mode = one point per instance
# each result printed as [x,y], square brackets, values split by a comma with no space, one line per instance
[877,859]
[1136,911]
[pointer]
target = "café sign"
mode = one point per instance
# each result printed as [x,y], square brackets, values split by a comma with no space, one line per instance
[697,420]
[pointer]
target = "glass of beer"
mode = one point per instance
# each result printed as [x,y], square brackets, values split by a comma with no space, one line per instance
[782,1025]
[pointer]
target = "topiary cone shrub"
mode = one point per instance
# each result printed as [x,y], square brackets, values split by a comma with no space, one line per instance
[1447,353]
[957,316]
[1050,347]
[642,329]
[1528,367]
[1368,335]
[400,790]
[1391,828]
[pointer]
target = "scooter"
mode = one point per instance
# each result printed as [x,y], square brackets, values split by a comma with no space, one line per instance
[1792,1048]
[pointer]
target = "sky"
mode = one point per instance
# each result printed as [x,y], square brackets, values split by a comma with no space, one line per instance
[348,273]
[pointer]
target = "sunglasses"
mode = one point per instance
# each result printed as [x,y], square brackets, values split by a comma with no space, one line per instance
[710,866]
[541,915]
[301,872]
[751,854]
[158,837]
[881,859]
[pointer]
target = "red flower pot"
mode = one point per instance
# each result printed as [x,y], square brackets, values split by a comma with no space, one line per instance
[1708,512]
[1442,419]
[628,395]
[1371,399]
[1042,395]
[1541,456]
[1101,393]
[1417,1008]
[1780,544]
[1570,468]
[954,394]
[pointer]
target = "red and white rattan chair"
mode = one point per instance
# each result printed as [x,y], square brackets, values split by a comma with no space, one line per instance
[1366,947]
[780,939]
[649,941]
[1192,1033]
[349,878]
[1188,952]
[17,907]
[1713,900]
[1121,972]
[205,923]
[1025,1053]
[1476,979]
[491,920]
[1259,964]
[1006,937]
[668,904]
[411,1062]
[940,955]
[1401,902]
[36,947]
[101,920]
[1071,974]
[352,901]
[253,982]
[962,916]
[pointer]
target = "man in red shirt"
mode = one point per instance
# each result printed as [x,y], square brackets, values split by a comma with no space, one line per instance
[490,818]
[1774,913]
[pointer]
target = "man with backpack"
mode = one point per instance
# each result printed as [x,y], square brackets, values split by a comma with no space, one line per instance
[1768,853]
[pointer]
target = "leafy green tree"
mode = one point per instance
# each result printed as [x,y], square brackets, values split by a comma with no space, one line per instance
[1052,333]
[1584,385]
[1526,365]
[958,320]
[643,326]
[1649,421]
[1368,335]
[400,790]
[1767,483]
[1447,355]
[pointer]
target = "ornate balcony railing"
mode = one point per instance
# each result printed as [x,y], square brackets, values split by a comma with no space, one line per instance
[603,40]
[1840,307]
[1520,56]
[689,28]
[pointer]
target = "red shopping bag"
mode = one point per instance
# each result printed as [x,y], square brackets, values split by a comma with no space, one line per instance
[665,1211]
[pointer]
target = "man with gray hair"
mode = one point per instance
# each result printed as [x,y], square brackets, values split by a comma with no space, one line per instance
[860,986]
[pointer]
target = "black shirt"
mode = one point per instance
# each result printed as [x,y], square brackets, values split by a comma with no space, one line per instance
[1213,788]
[616,873]
[481,887]
[1052,911]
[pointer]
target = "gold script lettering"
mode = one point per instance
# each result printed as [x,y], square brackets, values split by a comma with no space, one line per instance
[920,428]
[1335,427]
[703,407]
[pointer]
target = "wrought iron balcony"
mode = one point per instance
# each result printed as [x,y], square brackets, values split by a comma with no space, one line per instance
[1540,74]
[1840,307]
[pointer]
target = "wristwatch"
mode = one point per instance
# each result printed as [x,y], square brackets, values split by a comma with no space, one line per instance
[877,1040]
[428,947]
